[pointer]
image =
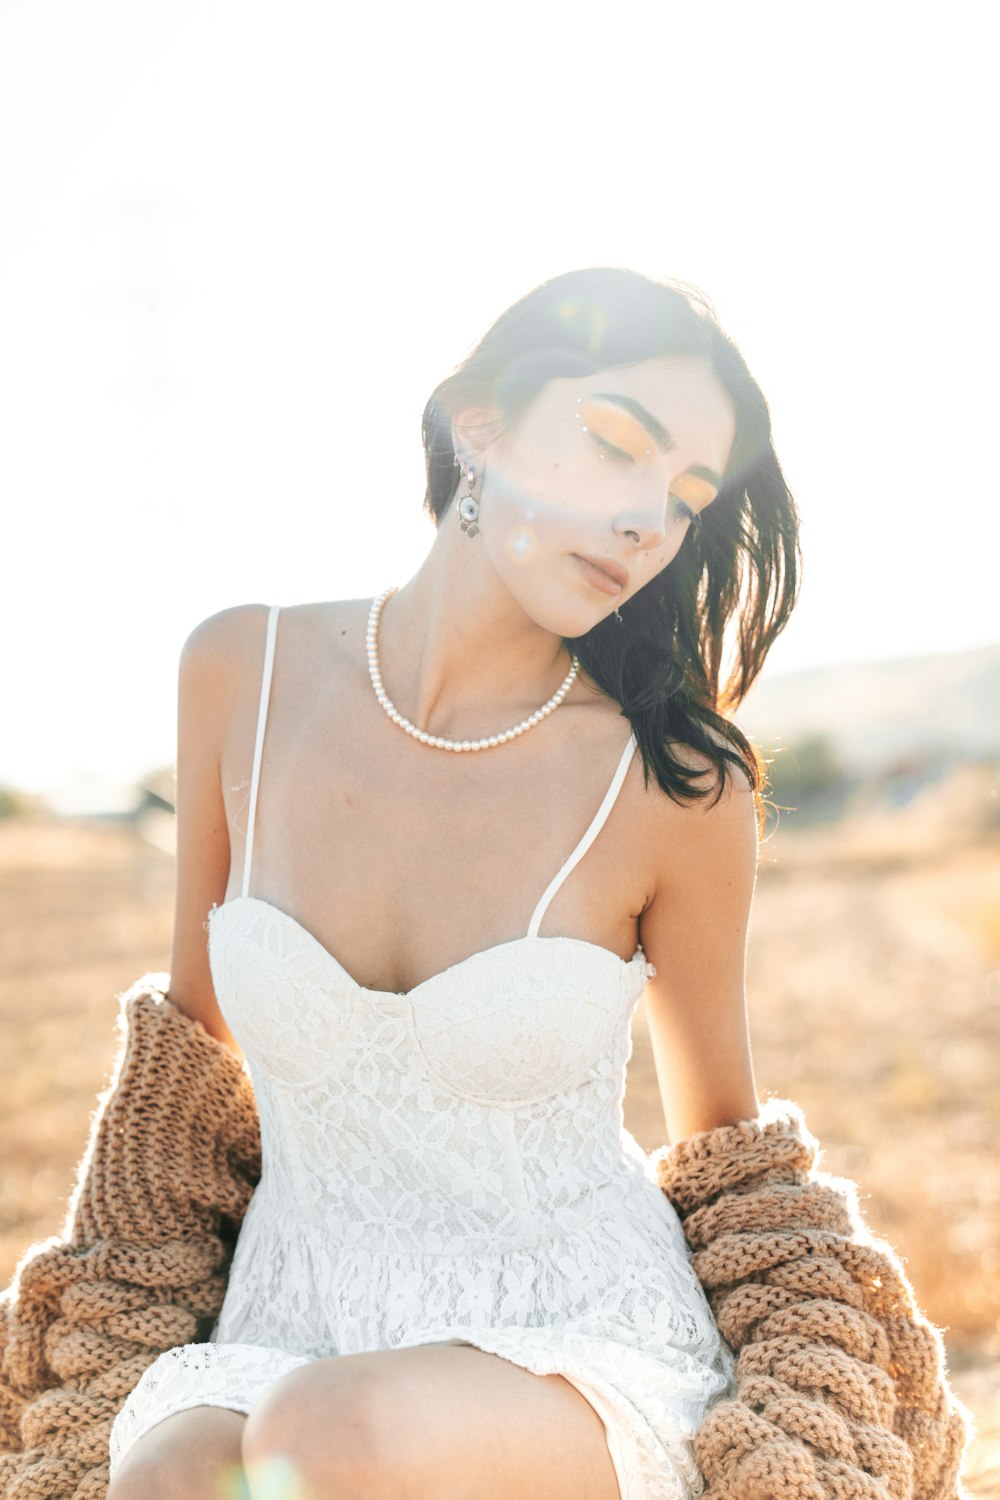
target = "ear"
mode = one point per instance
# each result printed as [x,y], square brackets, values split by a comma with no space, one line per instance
[474,429]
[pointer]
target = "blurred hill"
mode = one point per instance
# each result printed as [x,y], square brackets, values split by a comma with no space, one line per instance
[935,708]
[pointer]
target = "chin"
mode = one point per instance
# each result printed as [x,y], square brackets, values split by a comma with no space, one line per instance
[569,622]
[558,610]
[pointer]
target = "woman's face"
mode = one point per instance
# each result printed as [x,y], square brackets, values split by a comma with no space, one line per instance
[612,466]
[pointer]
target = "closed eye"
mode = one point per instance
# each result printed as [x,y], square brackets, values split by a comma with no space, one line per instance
[684,511]
[610,448]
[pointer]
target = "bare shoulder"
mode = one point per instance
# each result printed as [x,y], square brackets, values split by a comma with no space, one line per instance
[221,644]
[212,684]
[219,682]
[225,648]
[716,833]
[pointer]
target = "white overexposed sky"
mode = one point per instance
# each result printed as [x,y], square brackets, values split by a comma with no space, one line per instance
[240,243]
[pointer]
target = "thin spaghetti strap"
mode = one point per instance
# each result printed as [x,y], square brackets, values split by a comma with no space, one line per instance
[265,693]
[597,823]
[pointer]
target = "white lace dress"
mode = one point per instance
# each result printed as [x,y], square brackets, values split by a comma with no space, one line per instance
[451,1164]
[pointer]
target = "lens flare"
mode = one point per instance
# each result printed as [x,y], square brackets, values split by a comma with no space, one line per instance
[522,544]
[277,1478]
[231,1483]
[589,318]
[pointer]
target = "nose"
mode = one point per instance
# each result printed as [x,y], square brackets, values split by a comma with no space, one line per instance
[648,521]
[646,530]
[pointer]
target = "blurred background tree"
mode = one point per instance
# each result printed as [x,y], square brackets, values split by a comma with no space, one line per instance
[808,777]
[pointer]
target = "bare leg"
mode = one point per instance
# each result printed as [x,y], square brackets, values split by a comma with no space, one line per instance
[192,1455]
[429,1422]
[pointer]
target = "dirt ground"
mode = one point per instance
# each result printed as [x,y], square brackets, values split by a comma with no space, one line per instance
[873,1001]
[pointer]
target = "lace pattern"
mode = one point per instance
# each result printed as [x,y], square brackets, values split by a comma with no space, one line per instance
[446,1164]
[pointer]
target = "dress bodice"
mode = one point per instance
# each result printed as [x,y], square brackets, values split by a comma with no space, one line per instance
[496,1085]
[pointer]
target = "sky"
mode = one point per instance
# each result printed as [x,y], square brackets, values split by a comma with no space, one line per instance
[241,243]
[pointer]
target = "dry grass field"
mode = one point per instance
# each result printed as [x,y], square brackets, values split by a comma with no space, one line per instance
[874,992]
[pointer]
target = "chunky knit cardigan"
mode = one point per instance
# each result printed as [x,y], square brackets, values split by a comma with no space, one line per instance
[841,1387]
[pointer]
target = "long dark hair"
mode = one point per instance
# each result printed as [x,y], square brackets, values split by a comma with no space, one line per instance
[739,566]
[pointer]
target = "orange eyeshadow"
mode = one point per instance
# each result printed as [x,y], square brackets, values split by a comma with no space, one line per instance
[694,491]
[616,427]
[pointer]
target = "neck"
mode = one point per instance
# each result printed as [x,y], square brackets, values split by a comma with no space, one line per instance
[458,655]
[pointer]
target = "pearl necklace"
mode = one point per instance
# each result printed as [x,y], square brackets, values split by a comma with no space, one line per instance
[438,741]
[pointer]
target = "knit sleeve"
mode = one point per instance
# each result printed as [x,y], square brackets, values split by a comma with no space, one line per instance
[841,1384]
[141,1263]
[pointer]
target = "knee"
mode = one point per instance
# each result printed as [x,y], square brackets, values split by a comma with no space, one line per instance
[318,1435]
[188,1455]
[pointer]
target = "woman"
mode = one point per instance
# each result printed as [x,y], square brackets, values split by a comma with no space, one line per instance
[439,879]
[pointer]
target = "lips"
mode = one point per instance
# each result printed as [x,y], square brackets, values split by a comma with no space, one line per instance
[614,570]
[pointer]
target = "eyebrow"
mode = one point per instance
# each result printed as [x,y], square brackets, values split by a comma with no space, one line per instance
[658,432]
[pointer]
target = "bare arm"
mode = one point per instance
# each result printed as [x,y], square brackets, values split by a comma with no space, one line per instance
[695,932]
[214,669]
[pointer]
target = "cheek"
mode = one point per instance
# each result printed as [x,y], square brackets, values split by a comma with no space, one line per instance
[553,474]
[537,531]
[520,527]
[529,515]
[664,556]
[520,543]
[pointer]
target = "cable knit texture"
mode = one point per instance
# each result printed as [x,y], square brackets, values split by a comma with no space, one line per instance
[141,1262]
[841,1387]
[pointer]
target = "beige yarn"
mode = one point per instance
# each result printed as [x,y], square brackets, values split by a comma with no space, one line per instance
[841,1386]
[141,1262]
